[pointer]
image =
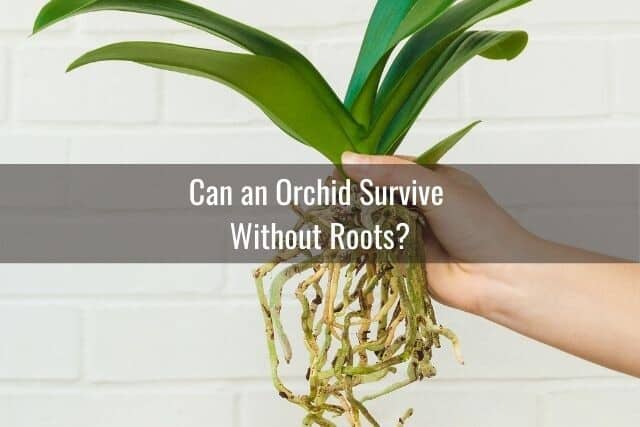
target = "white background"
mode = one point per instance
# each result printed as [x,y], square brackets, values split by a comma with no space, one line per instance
[120,346]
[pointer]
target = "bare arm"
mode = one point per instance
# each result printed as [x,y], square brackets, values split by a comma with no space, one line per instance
[590,309]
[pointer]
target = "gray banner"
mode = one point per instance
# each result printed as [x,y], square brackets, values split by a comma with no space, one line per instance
[146,213]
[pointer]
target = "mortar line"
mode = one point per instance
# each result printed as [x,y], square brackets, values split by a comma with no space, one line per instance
[9,80]
[611,70]
[239,385]
[161,102]
[83,359]
[237,413]
[542,410]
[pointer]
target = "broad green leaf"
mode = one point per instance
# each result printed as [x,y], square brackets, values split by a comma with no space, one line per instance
[387,16]
[271,84]
[426,68]
[422,13]
[392,22]
[438,151]
[500,45]
[455,20]
[240,34]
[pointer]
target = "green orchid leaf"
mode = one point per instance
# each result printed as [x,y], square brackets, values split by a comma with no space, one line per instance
[421,14]
[240,34]
[425,68]
[272,85]
[392,22]
[438,151]
[377,113]
[387,16]
[445,27]
[500,45]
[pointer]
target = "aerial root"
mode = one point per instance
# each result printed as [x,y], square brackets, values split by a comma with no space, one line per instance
[364,315]
[403,420]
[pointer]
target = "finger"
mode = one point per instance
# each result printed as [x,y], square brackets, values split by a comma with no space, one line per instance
[434,252]
[459,176]
[455,174]
[389,171]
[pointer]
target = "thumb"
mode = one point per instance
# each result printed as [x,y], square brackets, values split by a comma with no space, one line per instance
[389,171]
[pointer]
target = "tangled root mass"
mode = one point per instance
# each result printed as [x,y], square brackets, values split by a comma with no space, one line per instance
[366,315]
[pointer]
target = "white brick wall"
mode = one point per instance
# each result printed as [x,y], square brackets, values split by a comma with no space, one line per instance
[593,408]
[106,409]
[124,346]
[4,88]
[17,15]
[570,81]
[168,342]
[627,70]
[39,342]
[98,95]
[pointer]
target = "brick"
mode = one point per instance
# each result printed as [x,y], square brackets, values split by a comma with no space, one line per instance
[33,188]
[572,11]
[594,408]
[573,82]
[189,99]
[32,148]
[287,14]
[166,342]
[433,407]
[108,92]
[20,15]
[39,342]
[99,279]
[116,409]
[445,103]
[239,281]
[492,352]
[221,341]
[4,84]
[627,69]
[279,14]
[272,14]
[216,146]
[517,144]
[485,408]
[335,60]
[265,408]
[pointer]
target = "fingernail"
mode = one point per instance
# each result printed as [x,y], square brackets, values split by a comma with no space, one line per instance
[350,158]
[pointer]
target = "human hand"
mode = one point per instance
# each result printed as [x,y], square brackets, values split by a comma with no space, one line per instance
[552,302]
[467,235]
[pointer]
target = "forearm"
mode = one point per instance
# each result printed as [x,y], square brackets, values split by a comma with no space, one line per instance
[589,310]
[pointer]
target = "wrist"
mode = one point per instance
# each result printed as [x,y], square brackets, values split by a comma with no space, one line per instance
[501,290]
[508,287]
